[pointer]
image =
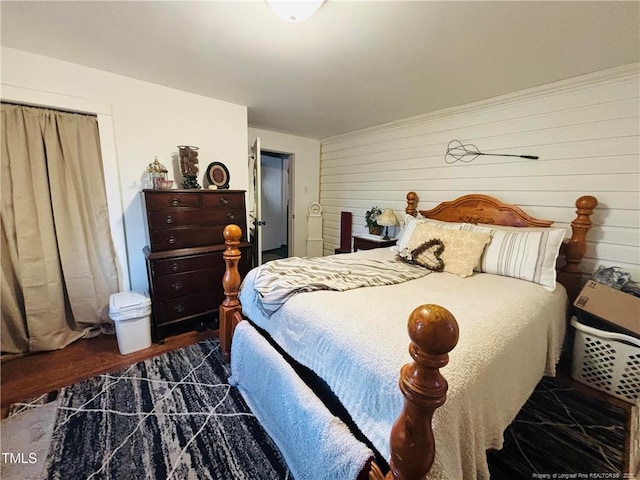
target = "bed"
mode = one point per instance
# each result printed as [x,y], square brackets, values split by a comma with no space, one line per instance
[508,331]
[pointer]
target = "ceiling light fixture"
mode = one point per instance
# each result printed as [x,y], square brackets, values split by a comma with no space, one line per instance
[295,11]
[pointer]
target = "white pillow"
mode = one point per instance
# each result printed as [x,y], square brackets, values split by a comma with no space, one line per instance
[405,233]
[528,253]
[410,223]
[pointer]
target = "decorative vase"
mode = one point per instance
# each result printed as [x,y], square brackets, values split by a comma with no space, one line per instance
[189,166]
[375,230]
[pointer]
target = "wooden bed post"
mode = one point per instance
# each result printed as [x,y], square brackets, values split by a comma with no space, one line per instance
[230,309]
[434,332]
[570,274]
[412,204]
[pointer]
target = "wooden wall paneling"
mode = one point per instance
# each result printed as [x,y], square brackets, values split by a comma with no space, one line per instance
[585,131]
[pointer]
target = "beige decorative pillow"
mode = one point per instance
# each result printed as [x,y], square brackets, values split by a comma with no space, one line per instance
[462,250]
[410,223]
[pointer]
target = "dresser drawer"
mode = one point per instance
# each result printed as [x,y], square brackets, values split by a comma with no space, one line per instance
[187,217]
[205,261]
[190,305]
[185,264]
[185,237]
[221,200]
[181,284]
[164,200]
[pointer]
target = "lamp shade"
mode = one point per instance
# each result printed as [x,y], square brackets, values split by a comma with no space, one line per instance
[387,218]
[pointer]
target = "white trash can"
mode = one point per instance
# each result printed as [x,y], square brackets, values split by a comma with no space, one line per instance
[131,313]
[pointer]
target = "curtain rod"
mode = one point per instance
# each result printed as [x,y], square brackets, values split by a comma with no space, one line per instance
[61,110]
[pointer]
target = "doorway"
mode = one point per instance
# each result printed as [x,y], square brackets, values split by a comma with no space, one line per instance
[276,196]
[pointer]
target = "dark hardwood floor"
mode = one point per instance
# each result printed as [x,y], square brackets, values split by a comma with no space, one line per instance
[32,375]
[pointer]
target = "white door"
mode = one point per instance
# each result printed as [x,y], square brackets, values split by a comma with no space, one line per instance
[255,203]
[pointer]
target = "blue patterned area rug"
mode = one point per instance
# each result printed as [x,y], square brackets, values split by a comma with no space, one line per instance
[173,416]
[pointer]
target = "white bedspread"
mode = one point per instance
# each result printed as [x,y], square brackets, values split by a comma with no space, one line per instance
[282,402]
[511,333]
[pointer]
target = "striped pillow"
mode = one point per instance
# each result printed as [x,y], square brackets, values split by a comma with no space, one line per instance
[525,253]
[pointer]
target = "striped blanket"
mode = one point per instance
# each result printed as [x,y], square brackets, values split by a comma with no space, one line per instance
[278,280]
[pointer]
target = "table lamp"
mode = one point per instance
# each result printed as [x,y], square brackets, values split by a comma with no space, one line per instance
[387,219]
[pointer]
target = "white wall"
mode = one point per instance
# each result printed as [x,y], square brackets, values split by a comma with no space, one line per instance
[585,131]
[305,166]
[148,120]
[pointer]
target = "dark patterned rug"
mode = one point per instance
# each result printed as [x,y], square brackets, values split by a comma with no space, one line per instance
[175,416]
[562,431]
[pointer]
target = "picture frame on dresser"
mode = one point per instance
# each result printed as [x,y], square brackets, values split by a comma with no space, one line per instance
[183,255]
[217,175]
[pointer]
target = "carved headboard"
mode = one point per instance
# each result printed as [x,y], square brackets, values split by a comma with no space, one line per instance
[478,208]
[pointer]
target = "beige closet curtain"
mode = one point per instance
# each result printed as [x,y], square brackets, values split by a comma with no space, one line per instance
[58,260]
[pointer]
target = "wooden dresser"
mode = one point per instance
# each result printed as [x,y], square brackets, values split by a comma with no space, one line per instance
[184,254]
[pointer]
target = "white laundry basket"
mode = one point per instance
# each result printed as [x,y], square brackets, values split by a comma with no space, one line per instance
[606,361]
[131,313]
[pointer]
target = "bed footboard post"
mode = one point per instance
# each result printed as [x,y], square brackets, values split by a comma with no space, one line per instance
[231,284]
[570,275]
[434,332]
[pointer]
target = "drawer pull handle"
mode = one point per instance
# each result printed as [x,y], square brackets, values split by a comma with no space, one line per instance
[179,308]
[230,216]
[174,267]
[174,202]
[223,201]
[177,286]
[169,219]
[171,239]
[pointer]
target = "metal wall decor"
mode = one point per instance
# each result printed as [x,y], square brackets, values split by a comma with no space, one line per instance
[188,166]
[457,152]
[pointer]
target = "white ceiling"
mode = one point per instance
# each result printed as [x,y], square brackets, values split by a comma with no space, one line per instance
[353,65]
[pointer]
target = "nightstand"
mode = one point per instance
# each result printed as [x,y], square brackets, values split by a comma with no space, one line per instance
[368,242]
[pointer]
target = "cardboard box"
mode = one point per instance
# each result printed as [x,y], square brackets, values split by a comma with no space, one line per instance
[619,308]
